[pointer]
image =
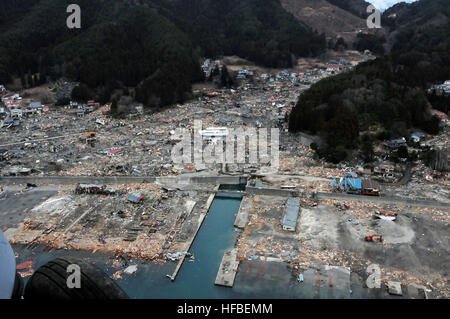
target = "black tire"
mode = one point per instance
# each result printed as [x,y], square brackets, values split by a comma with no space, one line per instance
[18,287]
[50,282]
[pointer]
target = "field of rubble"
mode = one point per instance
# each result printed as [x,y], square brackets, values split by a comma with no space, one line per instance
[55,142]
[415,245]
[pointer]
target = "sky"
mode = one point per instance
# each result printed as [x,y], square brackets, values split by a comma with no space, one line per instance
[385,4]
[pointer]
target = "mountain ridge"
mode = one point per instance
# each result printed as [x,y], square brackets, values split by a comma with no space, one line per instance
[383,98]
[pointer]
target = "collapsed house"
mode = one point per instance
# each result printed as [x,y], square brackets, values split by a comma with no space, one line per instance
[386,171]
[94,189]
[357,186]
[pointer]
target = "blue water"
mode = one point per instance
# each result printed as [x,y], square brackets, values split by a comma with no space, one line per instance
[195,278]
[255,279]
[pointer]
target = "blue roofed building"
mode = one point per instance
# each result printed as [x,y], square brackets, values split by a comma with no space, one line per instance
[289,220]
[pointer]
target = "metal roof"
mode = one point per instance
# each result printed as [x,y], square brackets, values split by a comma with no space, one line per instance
[291,213]
[353,183]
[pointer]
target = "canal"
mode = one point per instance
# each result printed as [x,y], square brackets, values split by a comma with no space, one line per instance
[196,276]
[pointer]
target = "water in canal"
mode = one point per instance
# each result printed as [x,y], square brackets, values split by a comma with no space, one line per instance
[196,278]
[255,279]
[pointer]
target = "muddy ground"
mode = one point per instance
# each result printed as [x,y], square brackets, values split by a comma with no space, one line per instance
[415,249]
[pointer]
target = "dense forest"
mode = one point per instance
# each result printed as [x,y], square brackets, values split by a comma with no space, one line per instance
[151,45]
[383,98]
[141,49]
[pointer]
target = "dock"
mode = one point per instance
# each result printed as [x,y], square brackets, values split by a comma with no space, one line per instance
[227,269]
[242,215]
[200,222]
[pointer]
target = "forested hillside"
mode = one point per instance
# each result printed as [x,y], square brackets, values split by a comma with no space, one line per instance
[382,98]
[26,45]
[357,7]
[117,45]
[417,14]
[140,46]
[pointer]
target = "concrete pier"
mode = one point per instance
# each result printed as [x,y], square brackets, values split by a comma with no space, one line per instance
[242,215]
[227,269]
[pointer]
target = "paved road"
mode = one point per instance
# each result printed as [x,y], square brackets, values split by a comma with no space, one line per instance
[220,179]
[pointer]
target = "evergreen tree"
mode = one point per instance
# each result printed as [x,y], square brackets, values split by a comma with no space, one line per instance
[81,93]
[225,78]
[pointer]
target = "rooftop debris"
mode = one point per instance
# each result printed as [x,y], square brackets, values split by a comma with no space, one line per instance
[94,189]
